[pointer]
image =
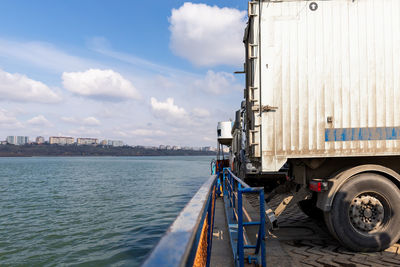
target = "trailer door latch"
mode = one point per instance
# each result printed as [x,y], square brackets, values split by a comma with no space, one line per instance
[269,109]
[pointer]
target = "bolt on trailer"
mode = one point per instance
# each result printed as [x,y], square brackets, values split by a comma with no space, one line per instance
[322,105]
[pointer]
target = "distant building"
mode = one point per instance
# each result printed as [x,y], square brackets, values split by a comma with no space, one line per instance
[87,141]
[150,147]
[176,148]
[61,140]
[17,140]
[22,140]
[3,142]
[40,140]
[168,147]
[161,147]
[115,143]
[11,140]
[104,142]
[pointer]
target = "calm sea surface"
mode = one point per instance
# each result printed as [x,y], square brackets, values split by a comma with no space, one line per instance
[102,211]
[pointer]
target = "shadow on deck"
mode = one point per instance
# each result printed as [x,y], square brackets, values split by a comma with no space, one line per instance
[300,241]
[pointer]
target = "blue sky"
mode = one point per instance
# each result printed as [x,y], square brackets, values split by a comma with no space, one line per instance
[145,72]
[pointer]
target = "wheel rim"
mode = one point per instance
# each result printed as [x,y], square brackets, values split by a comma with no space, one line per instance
[368,212]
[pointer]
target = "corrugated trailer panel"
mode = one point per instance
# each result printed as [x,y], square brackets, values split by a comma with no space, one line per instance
[334,74]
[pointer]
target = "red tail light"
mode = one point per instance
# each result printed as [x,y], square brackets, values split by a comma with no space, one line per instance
[318,186]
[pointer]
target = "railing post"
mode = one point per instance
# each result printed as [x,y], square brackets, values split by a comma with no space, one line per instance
[223,183]
[239,187]
[262,229]
[233,191]
[240,245]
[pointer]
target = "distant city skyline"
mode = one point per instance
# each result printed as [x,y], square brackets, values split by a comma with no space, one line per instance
[70,140]
[112,70]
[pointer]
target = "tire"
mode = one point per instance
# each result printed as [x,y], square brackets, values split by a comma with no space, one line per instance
[365,214]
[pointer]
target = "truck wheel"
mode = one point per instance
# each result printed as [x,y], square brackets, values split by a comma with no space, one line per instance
[365,214]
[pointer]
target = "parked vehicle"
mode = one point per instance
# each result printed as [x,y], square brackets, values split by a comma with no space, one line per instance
[322,104]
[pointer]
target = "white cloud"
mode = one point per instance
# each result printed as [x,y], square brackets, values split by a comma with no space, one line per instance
[84,132]
[107,113]
[43,55]
[120,133]
[8,121]
[40,121]
[103,47]
[168,110]
[147,132]
[190,92]
[18,87]
[89,121]
[217,83]
[201,113]
[69,119]
[164,82]
[208,35]
[208,139]
[101,84]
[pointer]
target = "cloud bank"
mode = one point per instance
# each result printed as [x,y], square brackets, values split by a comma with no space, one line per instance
[43,55]
[40,121]
[147,132]
[8,121]
[106,85]
[18,87]
[89,121]
[208,35]
[217,83]
[168,110]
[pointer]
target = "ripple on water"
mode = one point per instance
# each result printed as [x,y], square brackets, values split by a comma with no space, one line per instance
[91,211]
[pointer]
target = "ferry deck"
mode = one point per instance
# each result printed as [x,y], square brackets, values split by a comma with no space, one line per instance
[226,224]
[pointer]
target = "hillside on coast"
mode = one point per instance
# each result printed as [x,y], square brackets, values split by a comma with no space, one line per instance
[33,150]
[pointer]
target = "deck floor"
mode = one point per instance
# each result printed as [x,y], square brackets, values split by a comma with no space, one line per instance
[221,255]
[300,241]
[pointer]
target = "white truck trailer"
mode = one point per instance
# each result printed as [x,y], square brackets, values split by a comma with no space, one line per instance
[323,99]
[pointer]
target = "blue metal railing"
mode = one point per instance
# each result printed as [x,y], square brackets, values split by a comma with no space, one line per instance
[188,241]
[234,188]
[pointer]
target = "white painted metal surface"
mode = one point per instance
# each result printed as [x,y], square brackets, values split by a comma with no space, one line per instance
[333,73]
[224,131]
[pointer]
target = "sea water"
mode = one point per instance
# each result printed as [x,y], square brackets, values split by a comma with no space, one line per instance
[91,211]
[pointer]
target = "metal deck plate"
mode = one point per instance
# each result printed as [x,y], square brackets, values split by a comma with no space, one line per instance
[306,242]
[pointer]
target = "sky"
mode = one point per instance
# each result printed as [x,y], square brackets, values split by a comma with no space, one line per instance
[144,72]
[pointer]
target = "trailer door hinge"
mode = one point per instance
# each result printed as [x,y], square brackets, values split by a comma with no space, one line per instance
[269,108]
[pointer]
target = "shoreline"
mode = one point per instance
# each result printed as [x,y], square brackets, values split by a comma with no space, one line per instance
[46,150]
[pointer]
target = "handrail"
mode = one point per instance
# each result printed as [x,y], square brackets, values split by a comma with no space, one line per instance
[234,188]
[244,185]
[188,241]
